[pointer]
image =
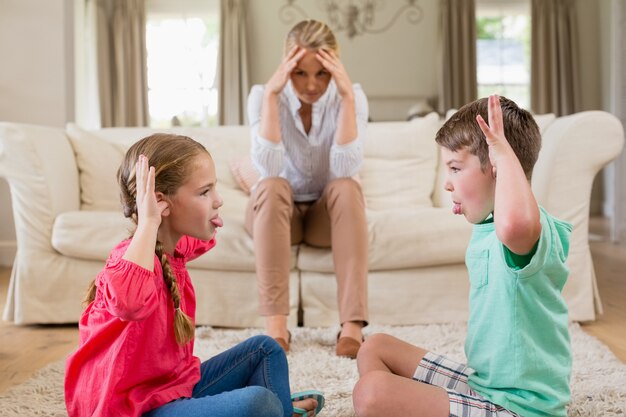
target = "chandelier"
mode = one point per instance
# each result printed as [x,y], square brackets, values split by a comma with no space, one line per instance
[355,17]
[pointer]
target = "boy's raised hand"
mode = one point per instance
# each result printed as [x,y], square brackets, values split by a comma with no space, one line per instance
[149,208]
[516,213]
[494,132]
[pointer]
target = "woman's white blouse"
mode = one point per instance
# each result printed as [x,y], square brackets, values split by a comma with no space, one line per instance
[308,162]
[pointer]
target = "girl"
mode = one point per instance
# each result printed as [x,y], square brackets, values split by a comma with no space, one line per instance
[308,125]
[136,335]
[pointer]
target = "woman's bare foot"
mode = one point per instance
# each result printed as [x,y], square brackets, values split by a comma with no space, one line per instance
[309,404]
[276,327]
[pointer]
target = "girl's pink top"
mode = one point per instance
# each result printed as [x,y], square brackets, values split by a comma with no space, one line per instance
[128,361]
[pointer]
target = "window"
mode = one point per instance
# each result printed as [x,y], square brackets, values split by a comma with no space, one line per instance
[182,40]
[503,49]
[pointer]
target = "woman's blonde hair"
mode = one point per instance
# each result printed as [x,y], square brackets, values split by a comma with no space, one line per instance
[311,34]
[173,158]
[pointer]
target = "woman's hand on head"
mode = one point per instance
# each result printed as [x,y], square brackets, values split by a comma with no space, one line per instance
[333,64]
[282,74]
[149,208]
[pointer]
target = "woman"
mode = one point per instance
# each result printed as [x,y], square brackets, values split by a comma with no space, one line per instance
[308,125]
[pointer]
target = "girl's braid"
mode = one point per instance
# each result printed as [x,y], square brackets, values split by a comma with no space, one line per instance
[183,326]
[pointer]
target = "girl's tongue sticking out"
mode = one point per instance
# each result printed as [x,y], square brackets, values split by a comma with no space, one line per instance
[217,221]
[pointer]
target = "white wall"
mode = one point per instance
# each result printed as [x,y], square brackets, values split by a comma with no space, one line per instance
[399,63]
[36,78]
[36,75]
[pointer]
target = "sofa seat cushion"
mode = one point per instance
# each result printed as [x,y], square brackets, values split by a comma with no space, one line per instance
[234,250]
[401,239]
[91,235]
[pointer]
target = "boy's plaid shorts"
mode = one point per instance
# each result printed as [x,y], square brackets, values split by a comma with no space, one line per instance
[440,371]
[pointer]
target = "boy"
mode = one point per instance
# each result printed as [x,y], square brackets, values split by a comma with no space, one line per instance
[517,345]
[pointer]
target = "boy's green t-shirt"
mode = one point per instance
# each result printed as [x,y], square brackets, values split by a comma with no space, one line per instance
[518,340]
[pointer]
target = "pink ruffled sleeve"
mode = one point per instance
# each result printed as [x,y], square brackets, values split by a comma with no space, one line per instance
[128,290]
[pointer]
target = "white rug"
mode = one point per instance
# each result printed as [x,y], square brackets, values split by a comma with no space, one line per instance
[598,379]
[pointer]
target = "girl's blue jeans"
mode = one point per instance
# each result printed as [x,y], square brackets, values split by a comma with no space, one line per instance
[250,379]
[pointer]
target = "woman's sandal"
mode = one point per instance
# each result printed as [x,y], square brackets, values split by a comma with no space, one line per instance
[347,347]
[303,395]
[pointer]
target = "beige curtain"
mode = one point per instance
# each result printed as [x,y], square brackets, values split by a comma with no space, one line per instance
[233,75]
[458,84]
[121,62]
[554,78]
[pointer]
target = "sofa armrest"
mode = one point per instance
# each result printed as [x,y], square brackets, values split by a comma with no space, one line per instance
[40,167]
[574,149]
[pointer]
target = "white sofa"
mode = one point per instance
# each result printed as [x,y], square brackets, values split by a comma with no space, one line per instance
[67,218]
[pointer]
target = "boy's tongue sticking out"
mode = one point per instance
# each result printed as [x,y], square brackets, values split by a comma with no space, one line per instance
[456,209]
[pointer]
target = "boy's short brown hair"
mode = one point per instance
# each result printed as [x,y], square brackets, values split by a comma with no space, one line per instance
[521,131]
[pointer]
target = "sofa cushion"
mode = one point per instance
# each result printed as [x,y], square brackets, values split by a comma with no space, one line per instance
[234,250]
[401,239]
[99,154]
[97,161]
[225,143]
[400,163]
[244,172]
[89,234]
[426,295]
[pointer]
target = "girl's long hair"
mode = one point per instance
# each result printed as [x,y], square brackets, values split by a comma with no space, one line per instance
[172,157]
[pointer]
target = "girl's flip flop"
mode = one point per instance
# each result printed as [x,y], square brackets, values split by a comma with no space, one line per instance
[303,395]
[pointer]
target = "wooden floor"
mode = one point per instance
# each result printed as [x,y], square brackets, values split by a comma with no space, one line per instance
[25,349]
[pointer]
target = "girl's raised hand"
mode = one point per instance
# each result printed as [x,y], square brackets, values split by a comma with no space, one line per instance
[280,77]
[149,209]
[333,64]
